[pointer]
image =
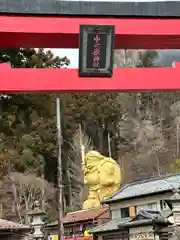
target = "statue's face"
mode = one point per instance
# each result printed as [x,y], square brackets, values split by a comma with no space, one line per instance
[91,168]
[91,174]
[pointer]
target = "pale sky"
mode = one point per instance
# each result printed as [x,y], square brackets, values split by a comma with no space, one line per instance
[166,57]
[71,54]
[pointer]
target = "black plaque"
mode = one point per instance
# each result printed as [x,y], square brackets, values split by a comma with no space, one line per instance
[96,46]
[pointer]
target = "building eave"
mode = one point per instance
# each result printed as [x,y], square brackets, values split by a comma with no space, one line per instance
[22,230]
[109,201]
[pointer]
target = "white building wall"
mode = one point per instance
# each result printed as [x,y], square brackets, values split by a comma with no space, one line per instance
[144,201]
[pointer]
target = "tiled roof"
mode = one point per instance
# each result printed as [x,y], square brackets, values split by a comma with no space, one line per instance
[147,187]
[109,226]
[4,224]
[143,217]
[84,215]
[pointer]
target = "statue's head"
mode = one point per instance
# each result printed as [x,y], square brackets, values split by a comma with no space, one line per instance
[93,157]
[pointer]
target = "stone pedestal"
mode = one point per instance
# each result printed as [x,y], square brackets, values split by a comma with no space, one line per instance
[36,221]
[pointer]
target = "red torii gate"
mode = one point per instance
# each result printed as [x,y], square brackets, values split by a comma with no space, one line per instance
[63,32]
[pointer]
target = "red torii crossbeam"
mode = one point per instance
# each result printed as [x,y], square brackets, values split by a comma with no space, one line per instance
[53,80]
[63,32]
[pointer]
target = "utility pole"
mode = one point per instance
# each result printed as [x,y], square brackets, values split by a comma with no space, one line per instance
[109,145]
[82,149]
[59,170]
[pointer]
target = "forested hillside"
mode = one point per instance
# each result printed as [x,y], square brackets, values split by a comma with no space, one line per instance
[140,130]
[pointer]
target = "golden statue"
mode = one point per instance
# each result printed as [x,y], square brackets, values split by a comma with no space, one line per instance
[102,175]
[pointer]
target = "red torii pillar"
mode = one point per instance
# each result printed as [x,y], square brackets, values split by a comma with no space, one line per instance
[63,32]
